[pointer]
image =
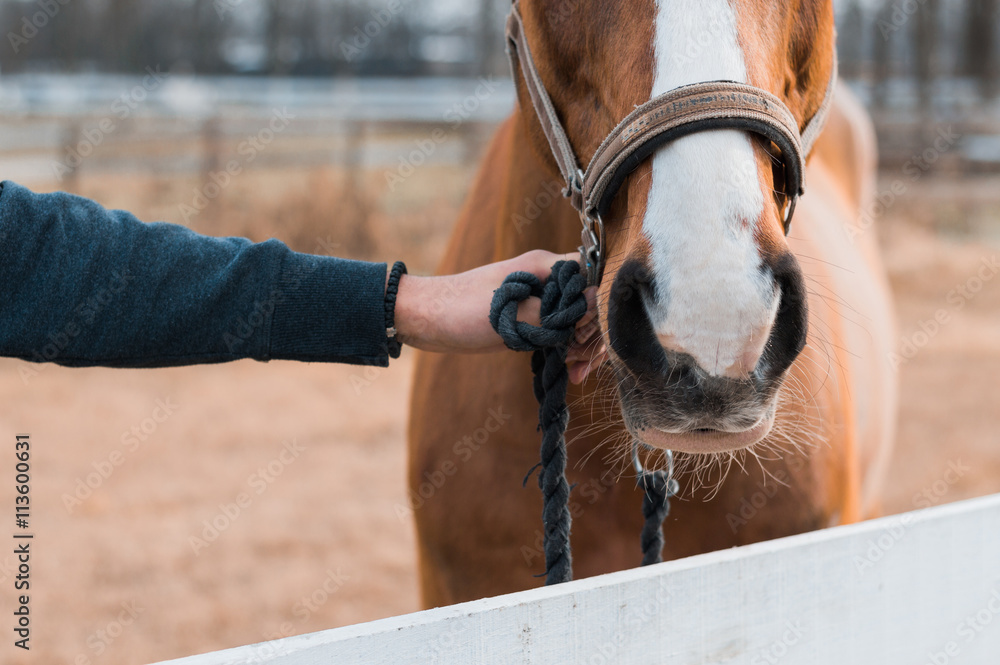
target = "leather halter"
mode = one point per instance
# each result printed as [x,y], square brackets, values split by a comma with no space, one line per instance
[685,110]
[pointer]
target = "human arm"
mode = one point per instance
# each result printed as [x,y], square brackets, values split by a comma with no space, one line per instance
[82,285]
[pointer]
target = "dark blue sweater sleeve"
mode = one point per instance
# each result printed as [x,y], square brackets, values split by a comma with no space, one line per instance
[81,285]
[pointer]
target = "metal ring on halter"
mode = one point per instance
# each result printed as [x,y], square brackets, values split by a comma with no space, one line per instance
[592,249]
[789,209]
[673,487]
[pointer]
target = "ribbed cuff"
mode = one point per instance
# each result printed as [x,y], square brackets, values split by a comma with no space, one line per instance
[330,310]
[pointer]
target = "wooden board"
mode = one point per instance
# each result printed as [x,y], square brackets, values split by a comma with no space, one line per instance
[921,588]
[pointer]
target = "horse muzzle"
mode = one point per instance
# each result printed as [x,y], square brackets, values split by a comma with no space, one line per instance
[668,400]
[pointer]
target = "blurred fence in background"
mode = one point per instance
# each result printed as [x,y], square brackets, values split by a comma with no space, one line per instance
[923,64]
[58,126]
[182,110]
[363,167]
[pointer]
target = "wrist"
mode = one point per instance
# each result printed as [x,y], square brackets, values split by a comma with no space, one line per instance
[410,323]
[419,314]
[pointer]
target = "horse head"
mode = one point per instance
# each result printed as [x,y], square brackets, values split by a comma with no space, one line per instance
[702,304]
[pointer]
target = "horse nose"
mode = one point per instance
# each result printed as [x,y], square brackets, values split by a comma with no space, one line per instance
[738,365]
[762,349]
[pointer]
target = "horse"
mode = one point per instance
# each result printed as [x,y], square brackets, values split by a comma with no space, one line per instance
[759,358]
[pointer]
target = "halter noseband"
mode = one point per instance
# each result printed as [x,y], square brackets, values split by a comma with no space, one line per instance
[685,110]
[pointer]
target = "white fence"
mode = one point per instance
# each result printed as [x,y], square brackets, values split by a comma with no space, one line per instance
[916,589]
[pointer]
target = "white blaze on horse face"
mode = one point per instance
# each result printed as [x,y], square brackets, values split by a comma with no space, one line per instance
[712,298]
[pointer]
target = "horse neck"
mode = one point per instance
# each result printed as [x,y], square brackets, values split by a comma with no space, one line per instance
[533,212]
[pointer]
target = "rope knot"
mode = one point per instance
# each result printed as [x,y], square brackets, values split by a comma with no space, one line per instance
[563,304]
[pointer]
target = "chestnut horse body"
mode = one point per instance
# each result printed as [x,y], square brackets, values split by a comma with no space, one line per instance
[680,226]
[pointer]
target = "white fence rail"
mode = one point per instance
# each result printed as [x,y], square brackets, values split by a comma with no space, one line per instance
[916,589]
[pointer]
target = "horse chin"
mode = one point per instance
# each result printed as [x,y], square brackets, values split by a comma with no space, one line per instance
[704,441]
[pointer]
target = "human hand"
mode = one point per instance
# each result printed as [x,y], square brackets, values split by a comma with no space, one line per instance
[450,313]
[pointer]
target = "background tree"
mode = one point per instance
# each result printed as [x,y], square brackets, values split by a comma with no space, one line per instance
[980,53]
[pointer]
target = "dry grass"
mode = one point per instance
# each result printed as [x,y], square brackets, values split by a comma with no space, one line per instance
[323,210]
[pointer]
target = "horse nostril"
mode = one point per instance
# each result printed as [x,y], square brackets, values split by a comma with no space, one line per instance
[630,330]
[791,324]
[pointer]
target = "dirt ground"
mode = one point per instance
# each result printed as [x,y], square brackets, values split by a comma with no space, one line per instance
[184,510]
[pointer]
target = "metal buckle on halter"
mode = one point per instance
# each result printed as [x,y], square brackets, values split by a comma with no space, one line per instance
[592,249]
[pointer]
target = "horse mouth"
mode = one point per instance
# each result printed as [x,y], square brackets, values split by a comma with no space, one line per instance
[703,440]
[686,410]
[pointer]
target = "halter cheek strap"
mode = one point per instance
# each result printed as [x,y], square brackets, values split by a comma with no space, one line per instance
[693,108]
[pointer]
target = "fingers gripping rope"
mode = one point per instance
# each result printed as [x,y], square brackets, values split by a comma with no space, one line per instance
[563,305]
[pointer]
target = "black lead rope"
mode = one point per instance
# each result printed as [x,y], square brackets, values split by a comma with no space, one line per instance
[658,486]
[563,305]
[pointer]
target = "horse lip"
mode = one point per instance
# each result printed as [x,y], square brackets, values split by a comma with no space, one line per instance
[707,441]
